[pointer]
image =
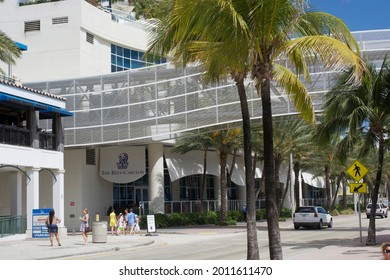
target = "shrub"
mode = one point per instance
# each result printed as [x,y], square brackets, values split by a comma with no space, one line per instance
[347,211]
[334,212]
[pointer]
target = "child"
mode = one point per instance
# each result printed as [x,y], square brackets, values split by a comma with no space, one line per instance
[121,224]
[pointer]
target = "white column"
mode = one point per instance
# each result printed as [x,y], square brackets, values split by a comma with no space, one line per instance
[58,199]
[32,197]
[156,177]
[16,193]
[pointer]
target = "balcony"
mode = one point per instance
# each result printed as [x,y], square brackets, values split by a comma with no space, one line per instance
[20,136]
[13,135]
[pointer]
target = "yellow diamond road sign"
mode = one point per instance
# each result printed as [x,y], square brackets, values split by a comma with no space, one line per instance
[358,187]
[357,170]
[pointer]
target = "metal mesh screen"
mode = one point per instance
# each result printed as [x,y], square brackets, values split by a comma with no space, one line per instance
[162,101]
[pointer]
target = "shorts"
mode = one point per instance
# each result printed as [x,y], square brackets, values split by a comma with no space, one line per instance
[53,228]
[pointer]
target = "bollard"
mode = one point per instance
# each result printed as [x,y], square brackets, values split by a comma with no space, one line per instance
[73,231]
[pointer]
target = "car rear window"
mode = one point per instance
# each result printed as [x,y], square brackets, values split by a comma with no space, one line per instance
[305,210]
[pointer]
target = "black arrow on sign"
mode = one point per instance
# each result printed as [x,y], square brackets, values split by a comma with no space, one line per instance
[357,188]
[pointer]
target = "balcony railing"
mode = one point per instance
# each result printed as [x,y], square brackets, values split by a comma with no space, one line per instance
[47,141]
[20,136]
[12,135]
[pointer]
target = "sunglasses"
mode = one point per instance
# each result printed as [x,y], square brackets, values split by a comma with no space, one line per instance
[386,251]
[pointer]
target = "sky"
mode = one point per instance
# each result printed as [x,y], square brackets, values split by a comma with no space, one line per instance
[358,15]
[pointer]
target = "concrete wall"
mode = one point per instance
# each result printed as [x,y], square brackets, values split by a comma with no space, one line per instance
[84,188]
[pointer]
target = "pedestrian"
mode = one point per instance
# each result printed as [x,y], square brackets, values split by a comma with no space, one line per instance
[125,223]
[113,221]
[121,223]
[386,250]
[51,223]
[130,222]
[84,227]
[244,212]
[137,227]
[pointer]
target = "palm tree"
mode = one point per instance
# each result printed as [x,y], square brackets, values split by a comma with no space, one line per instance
[8,50]
[361,112]
[181,39]
[227,36]
[198,142]
[225,142]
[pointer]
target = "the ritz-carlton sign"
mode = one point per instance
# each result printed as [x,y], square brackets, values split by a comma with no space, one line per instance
[122,164]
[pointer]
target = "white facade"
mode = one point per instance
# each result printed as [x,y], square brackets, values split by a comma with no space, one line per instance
[148,108]
[60,48]
[32,160]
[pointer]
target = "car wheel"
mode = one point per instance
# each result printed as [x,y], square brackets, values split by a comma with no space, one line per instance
[320,224]
[330,225]
[296,227]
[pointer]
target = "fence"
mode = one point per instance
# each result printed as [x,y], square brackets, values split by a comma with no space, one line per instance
[191,206]
[10,225]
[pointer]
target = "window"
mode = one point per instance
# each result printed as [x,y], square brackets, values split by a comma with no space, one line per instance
[34,25]
[124,59]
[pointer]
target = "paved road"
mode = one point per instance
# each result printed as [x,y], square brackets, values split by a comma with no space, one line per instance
[210,243]
[216,243]
[192,247]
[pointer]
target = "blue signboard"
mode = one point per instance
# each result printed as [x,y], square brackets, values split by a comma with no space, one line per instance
[39,228]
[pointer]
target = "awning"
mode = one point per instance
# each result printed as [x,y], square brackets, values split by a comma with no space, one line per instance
[310,179]
[45,110]
[21,46]
[191,163]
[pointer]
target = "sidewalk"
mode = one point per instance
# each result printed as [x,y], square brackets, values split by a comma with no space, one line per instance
[17,247]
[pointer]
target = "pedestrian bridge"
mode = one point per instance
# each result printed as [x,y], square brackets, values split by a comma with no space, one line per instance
[161,102]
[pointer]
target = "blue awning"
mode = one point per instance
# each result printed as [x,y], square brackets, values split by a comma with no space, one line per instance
[45,110]
[21,46]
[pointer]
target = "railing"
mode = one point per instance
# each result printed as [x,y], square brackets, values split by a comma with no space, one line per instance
[47,141]
[192,206]
[7,79]
[14,135]
[11,225]
[18,136]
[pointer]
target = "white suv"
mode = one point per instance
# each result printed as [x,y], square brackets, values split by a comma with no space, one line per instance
[381,210]
[312,216]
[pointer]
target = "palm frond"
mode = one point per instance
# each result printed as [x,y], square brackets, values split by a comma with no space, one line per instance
[297,91]
[332,53]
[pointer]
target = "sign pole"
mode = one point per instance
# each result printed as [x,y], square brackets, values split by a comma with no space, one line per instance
[360,218]
[357,172]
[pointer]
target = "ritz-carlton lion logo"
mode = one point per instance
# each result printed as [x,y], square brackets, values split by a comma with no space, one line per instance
[123,161]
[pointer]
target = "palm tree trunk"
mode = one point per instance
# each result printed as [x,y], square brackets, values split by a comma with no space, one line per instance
[296,184]
[336,192]
[203,186]
[252,243]
[275,248]
[285,189]
[223,211]
[278,162]
[371,235]
[327,187]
